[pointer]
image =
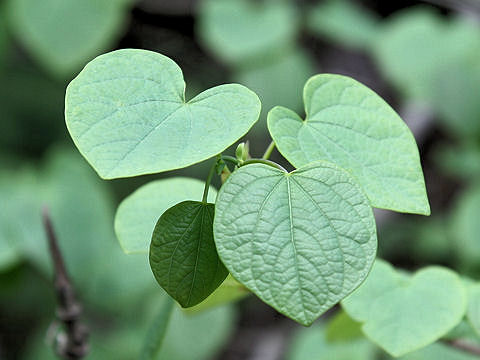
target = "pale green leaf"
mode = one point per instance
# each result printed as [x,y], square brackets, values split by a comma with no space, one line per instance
[439,351]
[473,312]
[402,313]
[300,241]
[312,344]
[343,328]
[278,82]
[350,125]
[244,30]
[138,213]
[344,22]
[465,227]
[127,114]
[183,256]
[65,34]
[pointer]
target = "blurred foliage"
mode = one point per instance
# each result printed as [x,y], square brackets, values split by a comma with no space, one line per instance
[422,55]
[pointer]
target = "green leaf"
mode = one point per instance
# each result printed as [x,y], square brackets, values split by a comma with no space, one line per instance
[183,255]
[350,125]
[64,34]
[439,351]
[138,213]
[342,328]
[239,31]
[402,313]
[300,241]
[473,311]
[229,291]
[344,22]
[465,227]
[312,344]
[278,82]
[157,331]
[127,114]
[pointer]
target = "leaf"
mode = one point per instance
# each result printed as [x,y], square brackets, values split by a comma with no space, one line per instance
[465,227]
[344,22]
[300,241]
[157,331]
[183,257]
[239,31]
[64,34]
[350,125]
[402,313]
[473,311]
[278,82]
[311,343]
[439,351]
[127,114]
[138,213]
[342,328]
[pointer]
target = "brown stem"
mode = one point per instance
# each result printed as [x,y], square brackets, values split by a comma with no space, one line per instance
[72,343]
[464,346]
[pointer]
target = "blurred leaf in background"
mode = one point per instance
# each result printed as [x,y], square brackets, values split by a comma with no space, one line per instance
[63,35]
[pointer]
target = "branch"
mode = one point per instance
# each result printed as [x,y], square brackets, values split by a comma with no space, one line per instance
[72,343]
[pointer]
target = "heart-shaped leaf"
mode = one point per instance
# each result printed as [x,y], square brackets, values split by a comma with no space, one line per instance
[127,114]
[183,257]
[402,313]
[64,34]
[138,213]
[244,30]
[350,125]
[301,241]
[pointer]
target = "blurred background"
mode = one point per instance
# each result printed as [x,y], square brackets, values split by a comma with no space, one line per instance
[423,57]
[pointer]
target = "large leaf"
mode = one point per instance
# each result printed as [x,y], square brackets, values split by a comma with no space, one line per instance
[138,213]
[127,114]
[301,241]
[183,256]
[350,125]
[243,30]
[402,313]
[439,351]
[473,311]
[64,34]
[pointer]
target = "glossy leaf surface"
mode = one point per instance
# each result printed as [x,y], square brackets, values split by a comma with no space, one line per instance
[183,256]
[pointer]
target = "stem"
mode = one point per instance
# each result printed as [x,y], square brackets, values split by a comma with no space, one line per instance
[231,159]
[269,150]
[73,342]
[157,331]
[266,162]
[464,346]
[208,181]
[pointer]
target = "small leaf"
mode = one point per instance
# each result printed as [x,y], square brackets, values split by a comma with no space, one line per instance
[350,125]
[342,328]
[64,34]
[183,255]
[239,31]
[402,313]
[138,213]
[300,241]
[127,114]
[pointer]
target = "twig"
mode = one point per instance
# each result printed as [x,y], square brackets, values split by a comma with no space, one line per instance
[72,343]
[464,346]
[465,6]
